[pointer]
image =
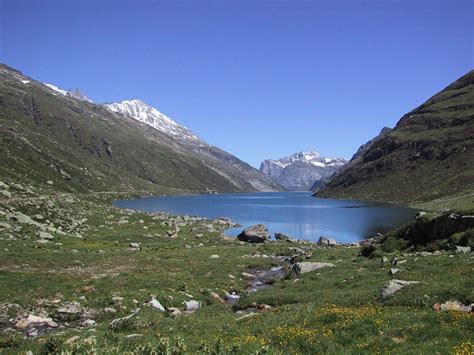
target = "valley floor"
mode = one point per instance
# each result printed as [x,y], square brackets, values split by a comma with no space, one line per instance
[83,263]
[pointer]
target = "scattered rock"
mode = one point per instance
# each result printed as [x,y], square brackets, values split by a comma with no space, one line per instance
[285,238]
[247,275]
[192,306]
[308,266]
[156,304]
[6,193]
[174,312]
[119,322]
[393,271]
[255,234]
[50,183]
[453,306]
[70,311]
[214,256]
[394,286]
[88,323]
[33,320]
[45,235]
[460,249]
[109,310]
[134,246]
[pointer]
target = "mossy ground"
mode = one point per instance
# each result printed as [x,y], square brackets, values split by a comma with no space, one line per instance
[336,310]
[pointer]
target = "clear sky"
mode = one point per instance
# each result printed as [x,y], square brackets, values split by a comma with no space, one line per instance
[260,79]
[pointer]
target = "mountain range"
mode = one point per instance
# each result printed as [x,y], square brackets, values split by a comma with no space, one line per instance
[62,137]
[426,160]
[300,171]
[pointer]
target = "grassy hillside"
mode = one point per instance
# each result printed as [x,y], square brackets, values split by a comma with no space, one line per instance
[89,266]
[83,147]
[426,161]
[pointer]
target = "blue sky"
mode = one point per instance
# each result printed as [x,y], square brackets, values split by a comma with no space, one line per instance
[260,79]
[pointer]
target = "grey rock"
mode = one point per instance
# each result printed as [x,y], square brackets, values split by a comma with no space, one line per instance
[134,246]
[33,320]
[156,304]
[6,193]
[174,312]
[192,305]
[394,286]
[255,234]
[327,241]
[45,235]
[119,322]
[308,266]
[460,249]
[285,238]
[394,271]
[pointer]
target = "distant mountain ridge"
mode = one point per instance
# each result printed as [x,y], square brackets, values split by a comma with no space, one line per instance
[427,159]
[300,171]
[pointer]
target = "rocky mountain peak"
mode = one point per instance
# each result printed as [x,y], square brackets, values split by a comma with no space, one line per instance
[141,111]
[299,171]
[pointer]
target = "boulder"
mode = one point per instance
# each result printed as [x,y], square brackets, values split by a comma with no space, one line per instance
[285,238]
[308,266]
[255,234]
[394,286]
[327,241]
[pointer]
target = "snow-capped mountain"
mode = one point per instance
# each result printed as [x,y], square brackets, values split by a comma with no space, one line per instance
[76,93]
[149,115]
[301,170]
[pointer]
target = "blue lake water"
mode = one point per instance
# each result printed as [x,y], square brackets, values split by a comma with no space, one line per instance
[294,213]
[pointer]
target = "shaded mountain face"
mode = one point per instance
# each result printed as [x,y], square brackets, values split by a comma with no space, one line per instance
[427,157]
[300,171]
[51,134]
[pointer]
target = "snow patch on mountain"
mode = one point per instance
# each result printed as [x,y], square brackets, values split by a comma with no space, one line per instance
[149,115]
[76,93]
[55,88]
[301,170]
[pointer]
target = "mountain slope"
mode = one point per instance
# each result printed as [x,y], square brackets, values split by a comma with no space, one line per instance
[231,168]
[427,160]
[300,171]
[81,146]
